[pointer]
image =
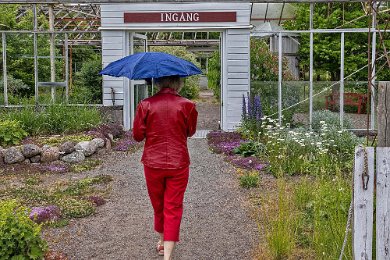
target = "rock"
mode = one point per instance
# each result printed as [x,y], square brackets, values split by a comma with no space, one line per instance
[27,161]
[13,155]
[67,147]
[99,142]
[50,155]
[108,145]
[88,148]
[35,159]
[75,157]
[30,150]
[1,155]
[45,147]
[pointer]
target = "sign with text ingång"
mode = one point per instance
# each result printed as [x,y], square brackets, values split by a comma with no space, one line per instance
[180,17]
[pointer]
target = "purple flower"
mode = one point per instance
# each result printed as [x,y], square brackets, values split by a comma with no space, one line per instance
[43,214]
[126,142]
[54,167]
[258,109]
[250,163]
[224,142]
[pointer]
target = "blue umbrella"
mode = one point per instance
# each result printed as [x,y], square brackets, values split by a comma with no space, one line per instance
[148,65]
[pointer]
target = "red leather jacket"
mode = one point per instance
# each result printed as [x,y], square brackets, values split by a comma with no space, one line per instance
[165,120]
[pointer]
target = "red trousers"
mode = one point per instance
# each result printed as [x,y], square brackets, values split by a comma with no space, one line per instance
[166,189]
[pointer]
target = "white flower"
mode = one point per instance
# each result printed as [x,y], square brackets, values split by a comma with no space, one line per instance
[322,122]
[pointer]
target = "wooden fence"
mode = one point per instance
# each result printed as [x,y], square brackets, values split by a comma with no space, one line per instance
[372,181]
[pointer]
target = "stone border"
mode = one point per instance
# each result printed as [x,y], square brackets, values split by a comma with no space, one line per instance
[70,152]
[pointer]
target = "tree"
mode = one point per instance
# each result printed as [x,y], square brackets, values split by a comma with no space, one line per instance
[264,66]
[20,49]
[327,46]
[191,85]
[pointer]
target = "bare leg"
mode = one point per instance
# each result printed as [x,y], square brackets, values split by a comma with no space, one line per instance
[168,249]
[161,238]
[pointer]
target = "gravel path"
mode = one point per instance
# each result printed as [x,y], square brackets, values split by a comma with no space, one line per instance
[216,222]
[209,111]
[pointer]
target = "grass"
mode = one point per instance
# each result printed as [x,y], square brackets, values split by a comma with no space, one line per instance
[305,218]
[69,196]
[249,179]
[54,119]
[57,140]
[86,165]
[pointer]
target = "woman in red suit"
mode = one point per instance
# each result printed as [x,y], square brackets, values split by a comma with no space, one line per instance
[166,120]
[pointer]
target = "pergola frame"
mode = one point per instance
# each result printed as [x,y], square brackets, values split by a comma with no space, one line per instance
[372,32]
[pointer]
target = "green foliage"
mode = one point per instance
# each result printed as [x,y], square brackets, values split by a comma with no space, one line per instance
[20,46]
[191,84]
[281,223]
[57,140]
[86,165]
[33,180]
[323,206]
[88,82]
[268,92]
[327,46]
[331,119]
[264,64]
[14,86]
[19,236]
[76,208]
[249,148]
[214,74]
[11,132]
[299,151]
[54,119]
[263,67]
[249,179]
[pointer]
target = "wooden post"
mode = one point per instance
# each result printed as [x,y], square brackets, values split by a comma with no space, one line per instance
[363,204]
[384,114]
[383,203]
[383,173]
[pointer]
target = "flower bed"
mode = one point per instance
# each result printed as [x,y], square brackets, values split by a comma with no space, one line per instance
[226,143]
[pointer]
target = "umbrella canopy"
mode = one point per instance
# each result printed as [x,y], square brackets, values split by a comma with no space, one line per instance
[147,65]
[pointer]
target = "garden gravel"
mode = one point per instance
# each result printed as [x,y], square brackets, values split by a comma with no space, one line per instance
[216,222]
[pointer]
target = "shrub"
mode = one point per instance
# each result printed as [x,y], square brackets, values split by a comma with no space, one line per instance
[249,148]
[268,92]
[249,179]
[88,82]
[14,86]
[299,151]
[11,132]
[191,84]
[214,74]
[54,119]
[330,118]
[19,235]
[76,208]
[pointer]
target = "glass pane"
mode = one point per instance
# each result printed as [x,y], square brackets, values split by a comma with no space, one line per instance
[139,45]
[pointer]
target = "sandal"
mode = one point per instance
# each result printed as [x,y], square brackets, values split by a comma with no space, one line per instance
[160,248]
